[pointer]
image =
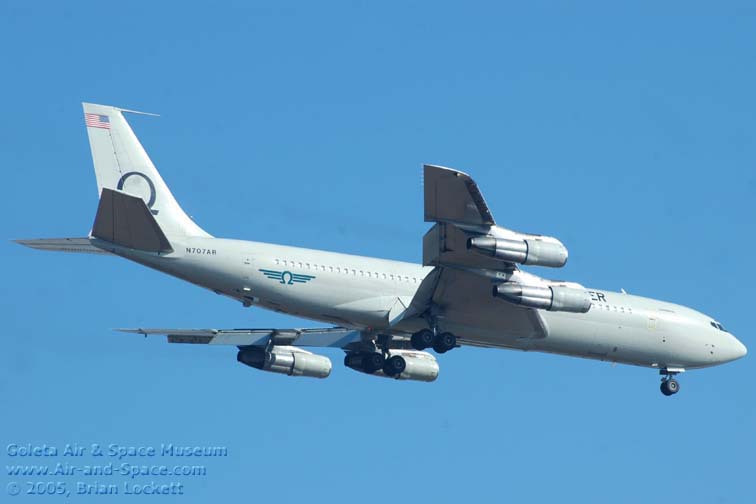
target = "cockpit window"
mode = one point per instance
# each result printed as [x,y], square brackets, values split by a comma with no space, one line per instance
[719,326]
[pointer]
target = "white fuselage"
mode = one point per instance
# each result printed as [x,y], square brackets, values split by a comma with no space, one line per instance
[361,292]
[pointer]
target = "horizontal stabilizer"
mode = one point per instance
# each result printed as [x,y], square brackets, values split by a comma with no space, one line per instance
[338,337]
[127,221]
[80,245]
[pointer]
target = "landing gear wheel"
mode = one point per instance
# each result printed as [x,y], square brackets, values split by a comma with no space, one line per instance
[394,366]
[669,387]
[372,362]
[444,342]
[422,339]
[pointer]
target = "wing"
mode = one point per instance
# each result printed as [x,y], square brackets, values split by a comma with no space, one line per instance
[335,337]
[454,201]
[465,301]
[465,278]
[453,196]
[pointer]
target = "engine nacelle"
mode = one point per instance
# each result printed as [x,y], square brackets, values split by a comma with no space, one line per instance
[421,366]
[552,298]
[541,251]
[286,360]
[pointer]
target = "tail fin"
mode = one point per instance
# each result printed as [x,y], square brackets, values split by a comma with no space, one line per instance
[122,164]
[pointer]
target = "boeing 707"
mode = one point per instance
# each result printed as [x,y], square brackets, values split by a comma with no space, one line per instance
[470,289]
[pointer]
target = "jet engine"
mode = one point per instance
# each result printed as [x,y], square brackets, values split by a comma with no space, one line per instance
[540,251]
[287,360]
[552,298]
[419,366]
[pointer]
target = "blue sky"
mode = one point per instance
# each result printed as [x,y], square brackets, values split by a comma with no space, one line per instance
[626,132]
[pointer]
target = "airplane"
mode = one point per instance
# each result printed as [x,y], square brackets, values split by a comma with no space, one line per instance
[470,289]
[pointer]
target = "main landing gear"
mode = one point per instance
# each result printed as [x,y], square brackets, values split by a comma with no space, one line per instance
[669,386]
[441,343]
[394,365]
[391,366]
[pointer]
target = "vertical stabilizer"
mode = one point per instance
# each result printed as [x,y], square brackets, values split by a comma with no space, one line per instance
[122,164]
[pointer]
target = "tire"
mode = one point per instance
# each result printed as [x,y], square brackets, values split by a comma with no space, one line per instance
[422,339]
[444,342]
[395,366]
[664,389]
[372,362]
[670,387]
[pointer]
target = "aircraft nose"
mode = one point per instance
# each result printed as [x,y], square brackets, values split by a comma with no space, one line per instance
[732,349]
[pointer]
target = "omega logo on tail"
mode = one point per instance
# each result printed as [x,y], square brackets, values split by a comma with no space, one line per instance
[153,194]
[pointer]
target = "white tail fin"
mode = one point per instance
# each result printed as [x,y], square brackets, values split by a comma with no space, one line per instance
[122,164]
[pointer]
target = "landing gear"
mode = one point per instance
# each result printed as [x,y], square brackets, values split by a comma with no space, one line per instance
[372,362]
[394,366]
[441,343]
[422,339]
[669,386]
[444,342]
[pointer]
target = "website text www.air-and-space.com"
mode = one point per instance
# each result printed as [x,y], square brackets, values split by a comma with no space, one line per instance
[77,469]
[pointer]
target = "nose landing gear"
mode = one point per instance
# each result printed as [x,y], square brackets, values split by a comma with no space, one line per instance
[669,386]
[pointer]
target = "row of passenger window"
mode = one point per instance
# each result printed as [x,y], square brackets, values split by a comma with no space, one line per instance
[614,308]
[345,271]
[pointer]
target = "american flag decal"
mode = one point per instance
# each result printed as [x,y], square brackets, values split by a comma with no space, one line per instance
[97,121]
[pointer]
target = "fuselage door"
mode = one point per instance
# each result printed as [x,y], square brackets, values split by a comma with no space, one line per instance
[245,288]
[653,322]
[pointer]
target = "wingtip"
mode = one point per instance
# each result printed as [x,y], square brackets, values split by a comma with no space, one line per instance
[439,168]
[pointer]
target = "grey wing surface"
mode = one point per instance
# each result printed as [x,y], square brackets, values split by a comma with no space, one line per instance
[76,245]
[335,337]
[465,279]
[453,196]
